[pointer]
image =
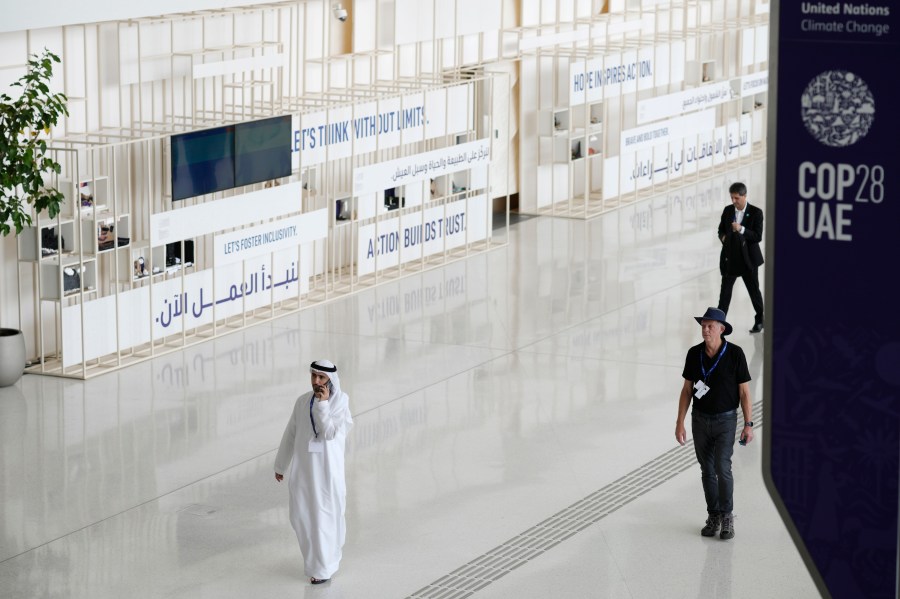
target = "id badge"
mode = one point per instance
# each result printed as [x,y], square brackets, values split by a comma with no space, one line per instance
[700,389]
[316,446]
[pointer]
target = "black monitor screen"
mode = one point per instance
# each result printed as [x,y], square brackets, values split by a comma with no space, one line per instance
[262,150]
[202,162]
[173,252]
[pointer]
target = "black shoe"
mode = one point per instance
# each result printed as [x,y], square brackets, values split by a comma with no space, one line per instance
[757,328]
[712,525]
[727,527]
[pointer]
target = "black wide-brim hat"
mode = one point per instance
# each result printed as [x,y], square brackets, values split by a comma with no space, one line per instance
[717,315]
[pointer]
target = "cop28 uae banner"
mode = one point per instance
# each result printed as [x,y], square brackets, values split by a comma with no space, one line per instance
[833,401]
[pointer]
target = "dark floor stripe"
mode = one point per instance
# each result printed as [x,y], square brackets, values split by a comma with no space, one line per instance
[534,542]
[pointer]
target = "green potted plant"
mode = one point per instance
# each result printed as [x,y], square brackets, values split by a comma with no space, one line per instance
[24,164]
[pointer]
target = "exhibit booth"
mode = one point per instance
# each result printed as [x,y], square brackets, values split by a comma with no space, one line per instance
[224,166]
[637,101]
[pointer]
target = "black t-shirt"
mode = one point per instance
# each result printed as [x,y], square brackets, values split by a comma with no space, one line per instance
[724,379]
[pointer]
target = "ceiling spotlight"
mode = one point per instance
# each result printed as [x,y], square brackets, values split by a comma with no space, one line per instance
[340,13]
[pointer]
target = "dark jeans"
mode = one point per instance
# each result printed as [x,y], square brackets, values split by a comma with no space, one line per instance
[751,282]
[714,445]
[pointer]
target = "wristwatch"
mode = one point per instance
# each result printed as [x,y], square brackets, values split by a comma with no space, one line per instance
[749,423]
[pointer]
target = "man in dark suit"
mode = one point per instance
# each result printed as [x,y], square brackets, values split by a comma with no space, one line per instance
[740,231]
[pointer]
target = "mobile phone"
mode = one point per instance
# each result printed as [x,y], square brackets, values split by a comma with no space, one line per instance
[743,440]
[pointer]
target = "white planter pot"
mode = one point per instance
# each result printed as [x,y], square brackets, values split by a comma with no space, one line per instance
[12,356]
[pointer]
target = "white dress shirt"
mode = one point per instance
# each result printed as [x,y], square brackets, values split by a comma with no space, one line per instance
[739,216]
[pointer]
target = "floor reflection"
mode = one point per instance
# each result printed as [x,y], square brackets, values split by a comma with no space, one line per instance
[488,394]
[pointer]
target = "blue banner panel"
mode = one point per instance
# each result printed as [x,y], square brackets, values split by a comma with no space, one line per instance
[833,289]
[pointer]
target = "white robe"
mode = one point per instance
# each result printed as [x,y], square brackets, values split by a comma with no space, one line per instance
[318,492]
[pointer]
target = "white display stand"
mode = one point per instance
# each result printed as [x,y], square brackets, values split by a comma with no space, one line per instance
[397,81]
[125,273]
[588,93]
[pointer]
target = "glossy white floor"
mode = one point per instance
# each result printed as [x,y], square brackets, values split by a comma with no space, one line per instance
[488,395]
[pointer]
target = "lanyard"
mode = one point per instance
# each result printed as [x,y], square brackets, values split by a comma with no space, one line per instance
[705,374]
[313,398]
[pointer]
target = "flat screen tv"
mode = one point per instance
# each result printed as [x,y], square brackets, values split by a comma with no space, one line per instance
[262,150]
[202,162]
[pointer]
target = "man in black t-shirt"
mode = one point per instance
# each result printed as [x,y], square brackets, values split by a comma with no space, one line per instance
[717,380]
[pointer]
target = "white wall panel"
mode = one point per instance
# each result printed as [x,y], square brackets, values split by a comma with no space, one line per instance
[527,133]
[385,23]
[13,49]
[548,12]
[435,112]
[362,70]
[339,74]
[445,20]
[312,28]
[530,12]
[248,27]
[427,57]
[108,50]
[545,86]
[73,62]
[312,77]
[102,337]
[460,108]
[414,21]
[762,43]
[219,32]
[611,177]
[490,48]
[448,48]
[51,39]
[662,66]
[385,67]
[477,16]
[470,44]
[748,55]
[678,60]
[363,29]
[407,60]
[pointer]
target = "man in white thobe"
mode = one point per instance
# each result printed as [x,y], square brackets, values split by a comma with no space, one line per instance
[313,448]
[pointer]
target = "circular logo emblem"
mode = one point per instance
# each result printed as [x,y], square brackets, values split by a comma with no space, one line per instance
[838,108]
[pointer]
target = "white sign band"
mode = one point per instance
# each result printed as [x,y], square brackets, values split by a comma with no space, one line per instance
[270,237]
